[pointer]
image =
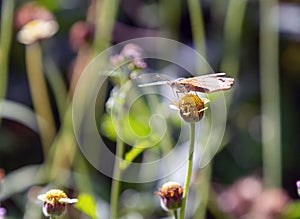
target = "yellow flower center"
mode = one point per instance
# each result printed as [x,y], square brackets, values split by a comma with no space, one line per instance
[54,195]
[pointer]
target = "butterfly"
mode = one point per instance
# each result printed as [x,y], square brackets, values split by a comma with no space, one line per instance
[205,83]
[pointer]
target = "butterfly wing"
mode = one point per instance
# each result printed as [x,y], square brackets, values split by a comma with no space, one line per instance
[208,83]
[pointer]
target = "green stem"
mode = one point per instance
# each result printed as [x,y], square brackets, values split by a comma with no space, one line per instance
[5,43]
[198,30]
[203,190]
[232,36]
[120,148]
[270,94]
[116,183]
[40,96]
[189,171]
[105,21]
[175,213]
[171,12]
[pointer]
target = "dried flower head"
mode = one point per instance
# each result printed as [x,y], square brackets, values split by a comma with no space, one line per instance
[171,195]
[55,201]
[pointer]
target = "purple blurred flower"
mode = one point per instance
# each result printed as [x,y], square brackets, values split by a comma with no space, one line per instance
[2,212]
[298,187]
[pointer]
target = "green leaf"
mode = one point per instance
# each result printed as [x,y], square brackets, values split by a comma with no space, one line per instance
[134,128]
[139,148]
[86,203]
[292,211]
[108,128]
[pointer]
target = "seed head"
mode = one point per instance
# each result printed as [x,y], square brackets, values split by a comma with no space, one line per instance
[191,108]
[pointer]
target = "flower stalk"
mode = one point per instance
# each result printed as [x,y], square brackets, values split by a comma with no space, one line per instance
[120,148]
[5,43]
[175,213]
[39,93]
[189,171]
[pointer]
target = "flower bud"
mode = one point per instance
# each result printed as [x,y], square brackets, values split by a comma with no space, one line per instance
[81,34]
[171,195]
[191,108]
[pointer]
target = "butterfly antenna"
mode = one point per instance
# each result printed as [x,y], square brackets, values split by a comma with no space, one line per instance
[153,84]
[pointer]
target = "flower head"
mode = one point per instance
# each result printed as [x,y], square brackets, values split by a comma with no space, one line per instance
[55,201]
[171,195]
[191,107]
[36,30]
[131,51]
[131,56]
[34,23]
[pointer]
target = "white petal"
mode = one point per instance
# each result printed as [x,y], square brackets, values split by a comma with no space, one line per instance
[42,197]
[205,100]
[203,109]
[68,200]
[173,105]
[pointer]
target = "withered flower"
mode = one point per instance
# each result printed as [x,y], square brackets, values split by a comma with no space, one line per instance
[55,201]
[171,194]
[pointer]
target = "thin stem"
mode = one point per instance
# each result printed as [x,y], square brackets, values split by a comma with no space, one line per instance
[120,148]
[39,93]
[198,30]
[203,190]
[232,36]
[116,183]
[175,213]
[171,12]
[105,21]
[270,94]
[189,171]
[5,43]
